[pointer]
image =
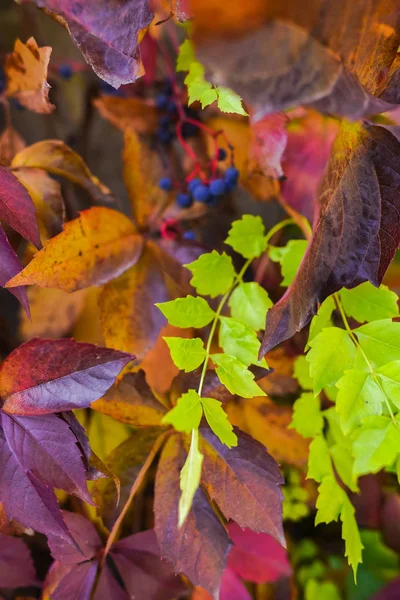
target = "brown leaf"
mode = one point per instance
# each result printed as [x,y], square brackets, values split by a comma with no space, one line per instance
[53,312]
[199,549]
[26,72]
[132,401]
[251,494]
[268,143]
[46,195]
[142,171]
[10,143]
[128,113]
[94,248]
[57,158]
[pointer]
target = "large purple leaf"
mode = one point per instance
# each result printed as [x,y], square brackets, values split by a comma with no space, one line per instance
[46,447]
[46,376]
[251,493]
[26,499]
[108,587]
[17,208]
[199,549]
[144,574]
[106,32]
[10,266]
[78,583]
[390,591]
[13,555]
[357,233]
[84,535]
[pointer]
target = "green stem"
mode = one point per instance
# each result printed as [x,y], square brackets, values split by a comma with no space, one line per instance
[365,357]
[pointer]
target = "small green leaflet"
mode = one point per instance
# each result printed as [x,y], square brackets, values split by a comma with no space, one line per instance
[198,88]
[322,319]
[235,376]
[319,460]
[290,257]
[343,462]
[187,354]
[190,478]
[307,418]
[249,303]
[380,341]
[187,413]
[330,500]
[230,102]
[359,397]
[219,422]
[332,352]
[302,372]
[185,56]
[389,376]
[376,445]
[351,536]
[368,303]
[213,273]
[318,590]
[247,236]
[187,312]
[238,340]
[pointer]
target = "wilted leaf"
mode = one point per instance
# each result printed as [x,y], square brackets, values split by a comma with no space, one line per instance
[268,143]
[128,113]
[10,143]
[26,71]
[46,376]
[357,233]
[14,554]
[9,267]
[57,158]
[108,36]
[200,548]
[92,249]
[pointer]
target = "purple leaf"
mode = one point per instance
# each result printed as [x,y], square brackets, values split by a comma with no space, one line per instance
[84,535]
[17,208]
[144,574]
[14,555]
[26,499]
[10,266]
[109,589]
[46,447]
[46,376]
[78,583]
[357,233]
[391,591]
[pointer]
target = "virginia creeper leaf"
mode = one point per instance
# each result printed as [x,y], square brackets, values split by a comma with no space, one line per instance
[359,396]
[235,376]
[239,340]
[247,236]
[368,303]
[46,376]
[213,273]
[85,535]
[77,583]
[319,461]
[376,445]
[380,341]
[290,257]
[343,462]
[187,413]
[389,377]
[248,303]
[14,554]
[330,500]
[10,266]
[218,421]
[322,319]
[187,312]
[187,354]
[307,417]
[351,535]
[229,101]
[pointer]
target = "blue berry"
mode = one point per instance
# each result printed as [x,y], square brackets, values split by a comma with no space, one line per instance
[164,121]
[192,185]
[221,154]
[201,193]
[165,184]
[183,200]
[164,136]
[231,174]
[171,107]
[230,186]
[189,235]
[217,187]
[65,71]
[162,101]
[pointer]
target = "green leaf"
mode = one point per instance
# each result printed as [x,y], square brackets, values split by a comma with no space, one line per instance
[213,273]
[249,303]
[235,376]
[380,341]
[351,536]
[219,422]
[187,312]
[307,418]
[389,376]
[247,236]
[187,354]
[208,97]
[332,352]
[368,303]
[319,460]
[196,84]
[290,257]
[302,372]
[187,413]
[359,397]
[321,590]
[238,340]
[186,56]
[343,462]
[322,319]
[330,500]
[230,102]
[376,445]
[190,478]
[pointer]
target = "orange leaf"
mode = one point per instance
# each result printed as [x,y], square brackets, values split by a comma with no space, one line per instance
[26,72]
[125,113]
[10,143]
[94,248]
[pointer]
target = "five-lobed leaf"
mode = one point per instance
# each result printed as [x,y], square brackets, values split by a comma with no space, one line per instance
[187,354]
[213,273]
[235,376]
[247,236]
[249,303]
[369,303]
[190,311]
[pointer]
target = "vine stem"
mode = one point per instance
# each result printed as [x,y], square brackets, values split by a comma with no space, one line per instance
[358,346]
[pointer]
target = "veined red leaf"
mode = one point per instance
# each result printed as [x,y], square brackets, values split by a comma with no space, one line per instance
[85,535]
[97,246]
[10,266]
[13,555]
[200,548]
[357,233]
[108,587]
[47,376]
[268,142]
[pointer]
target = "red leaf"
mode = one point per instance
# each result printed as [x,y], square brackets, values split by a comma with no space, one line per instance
[108,588]
[268,142]
[10,266]
[17,208]
[77,583]
[14,555]
[198,549]
[46,376]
